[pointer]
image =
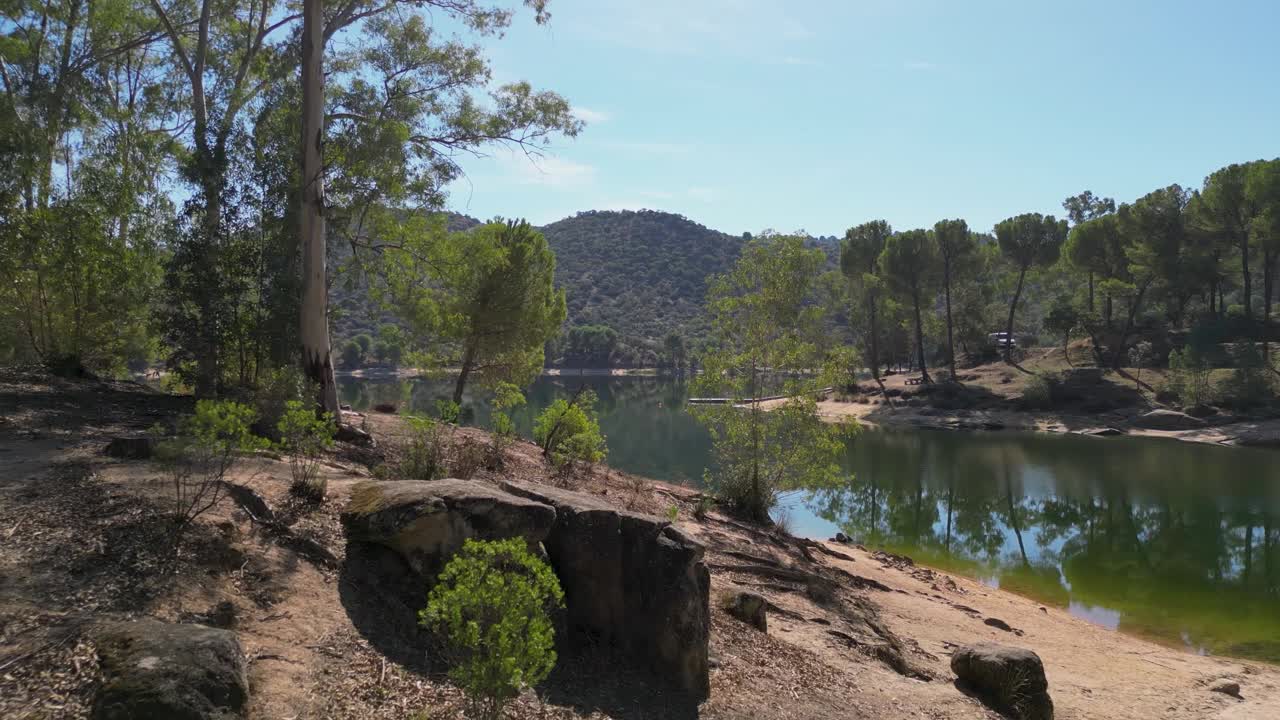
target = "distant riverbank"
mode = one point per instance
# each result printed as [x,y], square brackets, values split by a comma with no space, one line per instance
[376,373]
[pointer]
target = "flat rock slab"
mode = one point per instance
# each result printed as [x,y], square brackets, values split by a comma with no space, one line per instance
[1167,420]
[427,522]
[1010,679]
[154,669]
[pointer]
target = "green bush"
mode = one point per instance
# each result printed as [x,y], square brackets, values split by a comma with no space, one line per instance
[568,430]
[352,355]
[1037,394]
[207,446]
[426,455]
[506,397]
[490,607]
[1249,383]
[271,398]
[305,437]
[1189,375]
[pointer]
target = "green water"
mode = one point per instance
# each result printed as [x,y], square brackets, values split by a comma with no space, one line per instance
[1176,542]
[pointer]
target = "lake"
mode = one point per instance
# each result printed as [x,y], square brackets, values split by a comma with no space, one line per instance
[1176,542]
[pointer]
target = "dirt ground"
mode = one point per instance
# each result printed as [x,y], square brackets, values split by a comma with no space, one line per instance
[852,633]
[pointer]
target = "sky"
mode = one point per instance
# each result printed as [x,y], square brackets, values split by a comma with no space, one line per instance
[746,115]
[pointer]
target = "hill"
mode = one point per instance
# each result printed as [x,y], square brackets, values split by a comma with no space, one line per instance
[643,273]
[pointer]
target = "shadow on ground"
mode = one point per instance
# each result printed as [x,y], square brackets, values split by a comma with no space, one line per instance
[382,596]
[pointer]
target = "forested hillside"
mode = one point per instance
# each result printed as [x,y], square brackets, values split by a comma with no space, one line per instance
[644,274]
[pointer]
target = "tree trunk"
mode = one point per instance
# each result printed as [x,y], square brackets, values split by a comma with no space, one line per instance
[951,344]
[468,360]
[1013,306]
[1118,355]
[1090,292]
[1246,276]
[317,358]
[209,363]
[924,369]
[1268,285]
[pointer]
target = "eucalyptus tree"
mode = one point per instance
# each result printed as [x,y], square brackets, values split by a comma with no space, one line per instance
[955,245]
[859,255]
[1028,240]
[1081,209]
[909,262]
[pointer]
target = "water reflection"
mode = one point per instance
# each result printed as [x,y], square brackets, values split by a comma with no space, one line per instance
[1172,541]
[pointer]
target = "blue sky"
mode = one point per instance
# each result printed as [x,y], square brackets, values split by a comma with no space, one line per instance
[751,114]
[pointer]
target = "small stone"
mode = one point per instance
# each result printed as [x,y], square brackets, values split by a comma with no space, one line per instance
[998,624]
[1226,687]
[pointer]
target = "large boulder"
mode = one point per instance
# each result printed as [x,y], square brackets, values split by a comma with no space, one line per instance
[154,669]
[427,522]
[1167,420]
[634,580]
[749,607]
[1010,679]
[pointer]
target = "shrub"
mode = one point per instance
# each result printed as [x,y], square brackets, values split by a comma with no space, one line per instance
[1249,383]
[275,390]
[506,397]
[352,354]
[305,437]
[207,446]
[1189,375]
[424,456]
[491,607]
[673,512]
[468,457]
[705,504]
[1037,394]
[568,430]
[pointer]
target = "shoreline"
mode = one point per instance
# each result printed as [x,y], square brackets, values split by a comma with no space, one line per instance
[412,373]
[1257,434]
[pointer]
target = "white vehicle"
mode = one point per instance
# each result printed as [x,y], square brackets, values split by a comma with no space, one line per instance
[1002,340]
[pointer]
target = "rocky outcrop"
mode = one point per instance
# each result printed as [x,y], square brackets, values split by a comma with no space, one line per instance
[1010,679]
[751,608]
[634,581]
[427,522]
[153,669]
[1167,420]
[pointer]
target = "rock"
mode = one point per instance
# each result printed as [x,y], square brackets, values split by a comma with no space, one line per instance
[634,580]
[748,607]
[842,538]
[153,669]
[1167,420]
[998,624]
[1202,411]
[992,425]
[1226,687]
[130,448]
[389,408]
[1102,432]
[1010,679]
[351,434]
[1166,397]
[427,522]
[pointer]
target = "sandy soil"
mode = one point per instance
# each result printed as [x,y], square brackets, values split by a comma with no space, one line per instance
[852,634]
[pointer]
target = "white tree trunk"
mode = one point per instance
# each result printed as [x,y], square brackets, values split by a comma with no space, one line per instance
[317,358]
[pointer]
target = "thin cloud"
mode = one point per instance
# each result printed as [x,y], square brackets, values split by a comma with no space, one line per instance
[801,61]
[919,65]
[547,170]
[589,116]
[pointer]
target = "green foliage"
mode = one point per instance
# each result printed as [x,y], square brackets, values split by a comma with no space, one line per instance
[277,388]
[490,303]
[506,398]
[352,355]
[1250,383]
[568,430]
[673,512]
[196,461]
[491,606]
[1188,377]
[644,274]
[305,436]
[766,340]
[590,346]
[1038,393]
